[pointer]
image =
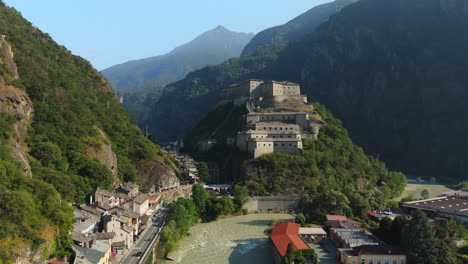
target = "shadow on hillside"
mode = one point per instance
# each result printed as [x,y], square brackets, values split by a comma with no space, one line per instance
[252,251]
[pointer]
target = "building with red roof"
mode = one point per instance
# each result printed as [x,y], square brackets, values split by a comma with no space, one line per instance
[283,234]
[341,221]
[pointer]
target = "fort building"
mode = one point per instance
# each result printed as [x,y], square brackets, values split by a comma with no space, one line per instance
[274,91]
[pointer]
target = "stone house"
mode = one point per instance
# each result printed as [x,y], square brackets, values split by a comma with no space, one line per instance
[123,233]
[128,188]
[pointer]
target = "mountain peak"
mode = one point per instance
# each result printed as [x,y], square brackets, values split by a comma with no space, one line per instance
[220,27]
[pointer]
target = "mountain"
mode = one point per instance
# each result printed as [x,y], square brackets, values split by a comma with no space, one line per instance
[395,73]
[185,102]
[296,28]
[211,47]
[392,71]
[62,134]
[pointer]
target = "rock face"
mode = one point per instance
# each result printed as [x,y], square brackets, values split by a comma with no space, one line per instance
[16,102]
[103,152]
[158,175]
[8,69]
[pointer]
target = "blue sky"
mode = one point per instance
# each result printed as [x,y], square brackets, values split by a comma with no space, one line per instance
[110,32]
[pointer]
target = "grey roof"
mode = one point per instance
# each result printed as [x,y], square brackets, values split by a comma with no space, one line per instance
[87,255]
[128,186]
[141,198]
[101,246]
[105,193]
[104,235]
[77,236]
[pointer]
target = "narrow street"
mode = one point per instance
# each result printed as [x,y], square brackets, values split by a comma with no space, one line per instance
[145,239]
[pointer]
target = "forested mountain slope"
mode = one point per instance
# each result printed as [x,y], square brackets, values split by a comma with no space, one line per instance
[211,47]
[395,73]
[296,28]
[63,133]
[392,71]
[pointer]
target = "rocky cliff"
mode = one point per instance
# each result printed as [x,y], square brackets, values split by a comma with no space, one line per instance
[62,135]
[15,102]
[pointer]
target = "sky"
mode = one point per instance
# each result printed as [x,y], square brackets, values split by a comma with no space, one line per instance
[110,32]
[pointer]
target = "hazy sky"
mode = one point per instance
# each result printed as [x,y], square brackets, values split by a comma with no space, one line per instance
[110,32]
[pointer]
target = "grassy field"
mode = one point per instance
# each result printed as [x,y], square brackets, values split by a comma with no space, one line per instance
[415,190]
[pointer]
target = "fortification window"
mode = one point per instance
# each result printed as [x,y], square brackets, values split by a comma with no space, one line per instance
[264,145]
[276,145]
[290,145]
[269,145]
[282,145]
[281,128]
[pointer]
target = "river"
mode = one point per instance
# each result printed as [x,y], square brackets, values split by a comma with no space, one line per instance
[236,240]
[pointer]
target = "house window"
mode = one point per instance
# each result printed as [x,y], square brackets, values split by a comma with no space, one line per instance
[363,261]
[379,261]
[386,261]
[402,261]
[394,261]
[371,261]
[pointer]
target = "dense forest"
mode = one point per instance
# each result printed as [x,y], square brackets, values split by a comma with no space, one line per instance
[75,112]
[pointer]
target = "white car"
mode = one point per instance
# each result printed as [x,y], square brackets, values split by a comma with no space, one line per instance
[388,212]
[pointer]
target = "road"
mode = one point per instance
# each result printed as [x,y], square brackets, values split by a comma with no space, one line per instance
[145,238]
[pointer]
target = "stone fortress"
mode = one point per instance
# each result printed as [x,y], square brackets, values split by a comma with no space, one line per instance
[278,117]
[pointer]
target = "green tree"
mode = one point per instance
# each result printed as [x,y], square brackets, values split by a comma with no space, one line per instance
[200,197]
[418,240]
[300,219]
[425,194]
[203,171]
[289,257]
[240,194]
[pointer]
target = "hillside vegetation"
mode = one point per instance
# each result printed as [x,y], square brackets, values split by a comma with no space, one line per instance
[392,71]
[75,114]
[334,175]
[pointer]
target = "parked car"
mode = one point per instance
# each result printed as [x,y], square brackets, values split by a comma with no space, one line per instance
[388,212]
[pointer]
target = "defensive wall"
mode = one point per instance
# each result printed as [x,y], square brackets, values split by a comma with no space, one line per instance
[271,203]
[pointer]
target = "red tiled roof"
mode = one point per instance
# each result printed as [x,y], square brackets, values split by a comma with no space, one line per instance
[154,198]
[336,218]
[285,233]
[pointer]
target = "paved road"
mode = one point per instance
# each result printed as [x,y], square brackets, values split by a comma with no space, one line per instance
[145,239]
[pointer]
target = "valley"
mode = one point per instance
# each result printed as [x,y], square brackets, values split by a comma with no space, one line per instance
[292,145]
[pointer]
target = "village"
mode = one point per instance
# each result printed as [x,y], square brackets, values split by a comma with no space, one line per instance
[123,225]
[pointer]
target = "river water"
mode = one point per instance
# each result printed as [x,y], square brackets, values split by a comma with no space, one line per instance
[236,240]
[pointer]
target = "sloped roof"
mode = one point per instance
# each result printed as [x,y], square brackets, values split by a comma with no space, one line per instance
[285,233]
[140,199]
[336,218]
[104,235]
[377,250]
